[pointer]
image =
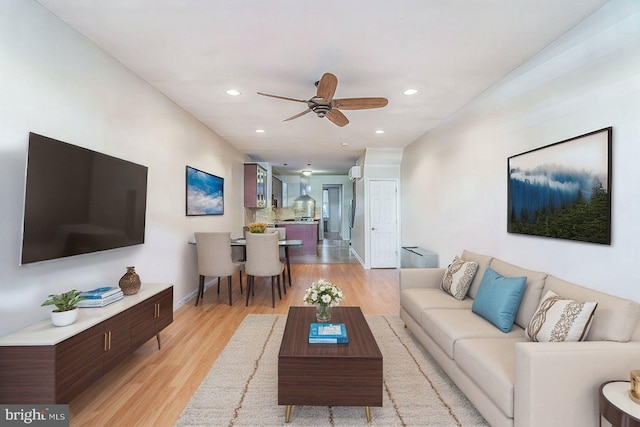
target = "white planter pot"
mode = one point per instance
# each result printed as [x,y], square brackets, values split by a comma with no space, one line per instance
[64,318]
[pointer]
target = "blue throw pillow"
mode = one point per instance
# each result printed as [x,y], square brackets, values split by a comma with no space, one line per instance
[498,298]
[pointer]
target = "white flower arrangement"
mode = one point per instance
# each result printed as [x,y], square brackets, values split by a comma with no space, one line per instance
[324,293]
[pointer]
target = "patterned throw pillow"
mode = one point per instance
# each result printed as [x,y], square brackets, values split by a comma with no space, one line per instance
[558,319]
[458,277]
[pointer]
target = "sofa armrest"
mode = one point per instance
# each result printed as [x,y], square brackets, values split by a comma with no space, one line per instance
[556,384]
[421,277]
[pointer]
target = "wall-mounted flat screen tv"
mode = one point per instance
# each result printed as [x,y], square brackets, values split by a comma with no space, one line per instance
[79,201]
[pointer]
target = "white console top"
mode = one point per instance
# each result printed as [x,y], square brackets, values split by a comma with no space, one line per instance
[44,333]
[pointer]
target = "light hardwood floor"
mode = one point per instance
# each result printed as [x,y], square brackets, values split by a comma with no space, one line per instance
[153,386]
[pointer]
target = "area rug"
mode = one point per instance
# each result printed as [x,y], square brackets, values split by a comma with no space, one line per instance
[241,388]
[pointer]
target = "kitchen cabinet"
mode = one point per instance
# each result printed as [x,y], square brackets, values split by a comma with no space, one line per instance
[307,231]
[276,193]
[44,364]
[255,186]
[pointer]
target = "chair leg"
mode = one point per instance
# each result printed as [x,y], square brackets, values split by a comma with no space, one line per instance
[273,294]
[278,282]
[218,285]
[284,283]
[229,286]
[240,281]
[200,290]
[249,286]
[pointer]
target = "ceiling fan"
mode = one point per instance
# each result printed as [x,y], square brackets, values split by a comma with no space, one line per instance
[324,105]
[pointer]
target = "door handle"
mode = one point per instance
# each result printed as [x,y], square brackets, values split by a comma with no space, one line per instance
[373,229]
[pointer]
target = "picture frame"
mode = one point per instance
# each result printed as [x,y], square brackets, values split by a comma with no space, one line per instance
[204,193]
[563,190]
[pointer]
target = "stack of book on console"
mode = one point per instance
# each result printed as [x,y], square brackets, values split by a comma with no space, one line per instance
[328,333]
[100,297]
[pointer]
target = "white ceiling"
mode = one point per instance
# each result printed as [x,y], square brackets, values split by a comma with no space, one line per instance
[194,50]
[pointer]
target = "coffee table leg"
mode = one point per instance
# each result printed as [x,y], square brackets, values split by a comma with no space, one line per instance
[367,412]
[287,413]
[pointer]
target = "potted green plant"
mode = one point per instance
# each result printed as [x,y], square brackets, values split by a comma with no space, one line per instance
[66,303]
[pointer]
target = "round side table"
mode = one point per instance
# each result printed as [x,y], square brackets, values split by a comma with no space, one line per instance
[616,405]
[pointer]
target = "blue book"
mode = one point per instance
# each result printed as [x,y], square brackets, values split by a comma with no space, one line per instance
[100,293]
[328,333]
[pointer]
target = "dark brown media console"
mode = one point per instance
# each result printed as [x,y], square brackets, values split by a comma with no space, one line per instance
[47,364]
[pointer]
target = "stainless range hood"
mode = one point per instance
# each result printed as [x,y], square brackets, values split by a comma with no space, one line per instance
[304,206]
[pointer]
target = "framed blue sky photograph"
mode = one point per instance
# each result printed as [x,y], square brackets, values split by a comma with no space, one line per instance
[563,190]
[205,193]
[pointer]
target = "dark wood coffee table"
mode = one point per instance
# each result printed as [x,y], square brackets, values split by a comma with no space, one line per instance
[329,374]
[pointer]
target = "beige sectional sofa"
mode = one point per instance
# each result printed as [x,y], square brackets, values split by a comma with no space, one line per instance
[511,380]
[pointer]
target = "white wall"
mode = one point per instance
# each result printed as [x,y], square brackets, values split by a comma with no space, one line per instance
[378,163]
[454,178]
[56,83]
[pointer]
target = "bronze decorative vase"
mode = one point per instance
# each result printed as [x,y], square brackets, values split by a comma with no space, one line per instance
[130,282]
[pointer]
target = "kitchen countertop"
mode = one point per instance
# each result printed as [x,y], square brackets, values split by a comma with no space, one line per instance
[297,222]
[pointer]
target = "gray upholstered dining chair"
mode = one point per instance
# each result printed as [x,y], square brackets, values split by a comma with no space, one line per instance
[282,235]
[214,260]
[263,260]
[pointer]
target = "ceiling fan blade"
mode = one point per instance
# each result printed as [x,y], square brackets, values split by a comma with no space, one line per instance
[297,115]
[327,87]
[337,117]
[359,103]
[282,97]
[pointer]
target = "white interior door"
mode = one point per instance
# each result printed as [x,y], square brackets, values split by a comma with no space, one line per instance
[384,223]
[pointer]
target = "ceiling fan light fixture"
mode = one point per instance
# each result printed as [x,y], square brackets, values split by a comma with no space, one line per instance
[323,103]
[410,92]
[233,92]
[306,172]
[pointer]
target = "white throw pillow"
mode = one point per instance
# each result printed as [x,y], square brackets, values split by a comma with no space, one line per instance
[558,319]
[458,277]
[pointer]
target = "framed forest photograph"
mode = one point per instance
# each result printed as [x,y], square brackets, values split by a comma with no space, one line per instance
[563,190]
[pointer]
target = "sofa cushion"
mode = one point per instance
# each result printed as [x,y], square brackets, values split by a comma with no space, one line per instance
[447,326]
[415,300]
[483,262]
[559,319]
[532,291]
[498,299]
[489,362]
[614,319]
[458,277]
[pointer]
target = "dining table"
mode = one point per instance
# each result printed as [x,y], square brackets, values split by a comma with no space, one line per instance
[285,243]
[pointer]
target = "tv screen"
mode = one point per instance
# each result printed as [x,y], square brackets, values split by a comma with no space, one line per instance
[79,201]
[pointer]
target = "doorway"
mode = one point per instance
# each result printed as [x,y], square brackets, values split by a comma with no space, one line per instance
[332,211]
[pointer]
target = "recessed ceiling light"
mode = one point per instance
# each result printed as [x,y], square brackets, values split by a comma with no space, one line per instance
[259,130]
[233,92]
[410,91]
[344,144]
[379,131]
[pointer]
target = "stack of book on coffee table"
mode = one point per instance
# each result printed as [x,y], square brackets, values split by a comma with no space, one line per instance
[100,297]
[328,333]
